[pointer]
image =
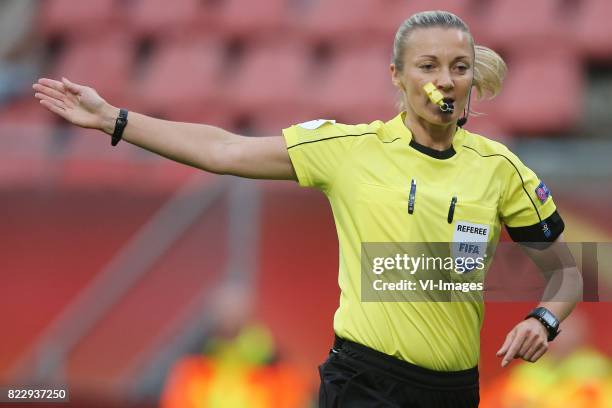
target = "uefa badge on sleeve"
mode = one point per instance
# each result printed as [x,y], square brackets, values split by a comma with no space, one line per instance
[542,192]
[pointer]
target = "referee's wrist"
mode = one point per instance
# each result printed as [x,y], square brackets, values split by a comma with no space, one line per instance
[108,119]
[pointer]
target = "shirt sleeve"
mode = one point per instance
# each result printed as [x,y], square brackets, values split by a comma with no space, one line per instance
[318,149]
[527,207]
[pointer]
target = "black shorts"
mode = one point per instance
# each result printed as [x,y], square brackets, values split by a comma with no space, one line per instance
[357,376]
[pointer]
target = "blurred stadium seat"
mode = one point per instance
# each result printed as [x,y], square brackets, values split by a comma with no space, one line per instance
[542,94]
[25,111]
[523,25]
[103,64]
[181,20]
[182,82]
[352,23]
[488,126]
[76,19]
[265,20]
[385,16]
[271,84]
[88,145]
[594,29]
[485,116]
[333,21]
[357,88]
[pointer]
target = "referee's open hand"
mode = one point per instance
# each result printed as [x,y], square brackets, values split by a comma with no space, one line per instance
[78,104]
[527,340]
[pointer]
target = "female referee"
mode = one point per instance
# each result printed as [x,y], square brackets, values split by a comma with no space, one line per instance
[394,181]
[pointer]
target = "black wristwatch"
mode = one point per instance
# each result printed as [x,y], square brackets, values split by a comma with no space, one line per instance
[120,125]
[548,320]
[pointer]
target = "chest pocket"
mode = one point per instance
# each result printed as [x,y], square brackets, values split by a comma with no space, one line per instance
[473,222]
[475,213]
[473,228]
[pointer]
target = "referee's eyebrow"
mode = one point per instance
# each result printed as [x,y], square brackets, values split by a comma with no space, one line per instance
[435,57]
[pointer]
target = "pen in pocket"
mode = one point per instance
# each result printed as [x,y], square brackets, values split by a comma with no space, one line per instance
[412,196]
[451,209]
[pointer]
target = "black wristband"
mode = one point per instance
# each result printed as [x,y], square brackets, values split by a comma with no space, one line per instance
[120,125]
[548,320]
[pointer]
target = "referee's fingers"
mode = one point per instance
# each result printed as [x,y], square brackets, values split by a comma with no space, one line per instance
[513,349]
[47,90]
[74,88]
[52,83]
[535,348]
[54,108]
[531,340]
[543,348]
[507,343]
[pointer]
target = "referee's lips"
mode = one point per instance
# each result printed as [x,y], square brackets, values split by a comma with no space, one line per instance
[451,103]
[448,100]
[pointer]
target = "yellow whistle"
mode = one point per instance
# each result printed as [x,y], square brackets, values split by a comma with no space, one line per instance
[434,95]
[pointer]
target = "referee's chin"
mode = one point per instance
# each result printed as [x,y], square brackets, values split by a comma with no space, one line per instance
[440,118]
[433,116]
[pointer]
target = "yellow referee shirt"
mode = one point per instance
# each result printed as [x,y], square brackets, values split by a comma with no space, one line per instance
[367,172]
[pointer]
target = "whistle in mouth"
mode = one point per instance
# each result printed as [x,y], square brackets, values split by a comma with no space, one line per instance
[436,97]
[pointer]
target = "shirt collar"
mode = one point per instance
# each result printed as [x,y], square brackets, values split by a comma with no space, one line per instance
[396,127]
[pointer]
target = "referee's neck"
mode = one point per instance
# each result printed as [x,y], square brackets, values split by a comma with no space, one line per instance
[437,137]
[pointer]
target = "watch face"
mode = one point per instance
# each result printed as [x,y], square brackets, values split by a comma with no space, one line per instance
[549,319]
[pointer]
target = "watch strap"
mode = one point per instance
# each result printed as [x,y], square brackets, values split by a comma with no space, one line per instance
[120,125]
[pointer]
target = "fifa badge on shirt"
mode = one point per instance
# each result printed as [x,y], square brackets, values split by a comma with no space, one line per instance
[542,192]
[469,242]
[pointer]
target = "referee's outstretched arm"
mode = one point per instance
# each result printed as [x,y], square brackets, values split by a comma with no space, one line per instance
[202,146]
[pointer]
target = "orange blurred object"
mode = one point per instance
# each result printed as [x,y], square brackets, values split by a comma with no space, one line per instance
[198,382]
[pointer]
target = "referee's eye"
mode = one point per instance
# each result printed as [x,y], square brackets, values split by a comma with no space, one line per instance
[462,69]
[426,67]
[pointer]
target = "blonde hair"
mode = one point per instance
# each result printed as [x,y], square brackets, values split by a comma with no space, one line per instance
[489,72]
[489,68]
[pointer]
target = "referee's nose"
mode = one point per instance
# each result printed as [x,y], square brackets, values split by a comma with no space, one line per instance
[444,81]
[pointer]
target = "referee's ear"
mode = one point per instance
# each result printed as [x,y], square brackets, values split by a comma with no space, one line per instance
[394,77]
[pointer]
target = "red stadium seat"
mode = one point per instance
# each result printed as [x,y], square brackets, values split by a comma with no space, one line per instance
[104,65]
[367,20]
[488,126]
[93,145]
[182,82]
[25,111]
[21,141]
[80,18]
[542,94]
[358,88]
[154,18]
[271,86]
[339,22]
[522,25]
[387,15]
[594,30]
[265,19]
